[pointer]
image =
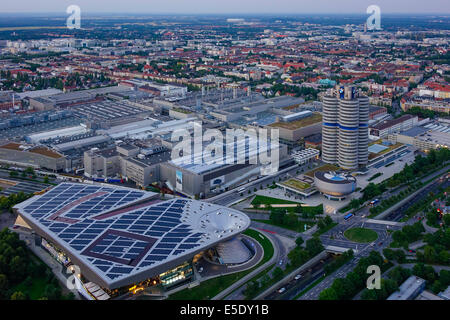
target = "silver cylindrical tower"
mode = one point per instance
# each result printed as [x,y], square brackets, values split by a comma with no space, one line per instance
[330,128]
[348,133]
[363,136]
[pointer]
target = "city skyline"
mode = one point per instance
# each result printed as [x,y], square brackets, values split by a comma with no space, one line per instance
[230,7]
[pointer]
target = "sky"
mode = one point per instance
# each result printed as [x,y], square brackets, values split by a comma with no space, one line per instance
[227,6]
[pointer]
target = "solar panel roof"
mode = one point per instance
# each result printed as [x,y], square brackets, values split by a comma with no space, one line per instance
[119,232]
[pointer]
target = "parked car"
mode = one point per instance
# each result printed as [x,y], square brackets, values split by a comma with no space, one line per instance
[281,290]
[298,276]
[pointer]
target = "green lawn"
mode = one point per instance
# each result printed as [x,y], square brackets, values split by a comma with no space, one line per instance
[36,290]
[270,200]
[328,227]
[361,235]
[210,288]
[297,184]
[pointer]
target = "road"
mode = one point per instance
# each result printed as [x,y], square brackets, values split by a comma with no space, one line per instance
[398,214]
[383,241]
[295,286]
[280,255]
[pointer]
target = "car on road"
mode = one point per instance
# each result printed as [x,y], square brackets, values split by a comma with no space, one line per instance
[298,276]
[412,251]
[380,243]
[281,290]
[280,262]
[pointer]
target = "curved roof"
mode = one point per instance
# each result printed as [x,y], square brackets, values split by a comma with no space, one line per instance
[333,177]
[123,235]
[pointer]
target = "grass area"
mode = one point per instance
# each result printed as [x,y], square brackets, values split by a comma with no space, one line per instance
[36,290]
[312,285]
[210,288]
[180,110]
[270,200]
[325,167]
[314,118]
[300,227]
[297,184]
[259,276]
[361,235]
[376,175]
[322,231]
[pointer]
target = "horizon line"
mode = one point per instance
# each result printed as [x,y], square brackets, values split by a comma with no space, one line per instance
[218,13]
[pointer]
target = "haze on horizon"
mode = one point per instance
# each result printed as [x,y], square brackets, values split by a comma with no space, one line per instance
[228,7]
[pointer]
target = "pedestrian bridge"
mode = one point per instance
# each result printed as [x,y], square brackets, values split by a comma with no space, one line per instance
[335,249]
[386,222]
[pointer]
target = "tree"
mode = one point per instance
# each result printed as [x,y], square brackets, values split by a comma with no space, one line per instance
[432,218]
[327,220]
[4,285]
[400,256]
[18,295]
[429,254]
[314,246]
[277,273]
[299,241]
[328,294]
[354,203]
[252,288]
[446,219]
[444,257]
[256,203]
[52,292]
[388,254]
[277,216]
[344,288]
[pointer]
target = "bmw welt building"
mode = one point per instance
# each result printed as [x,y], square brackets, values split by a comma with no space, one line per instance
[121,239]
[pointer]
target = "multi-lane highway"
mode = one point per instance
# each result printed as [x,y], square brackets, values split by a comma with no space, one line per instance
[399,213]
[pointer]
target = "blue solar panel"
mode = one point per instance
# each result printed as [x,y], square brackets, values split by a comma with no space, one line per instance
[166,245]
[121,270]
[85,242]
[103,268]
[165,239]
[165,224]
[161,251]
[152,257]
[90,225]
